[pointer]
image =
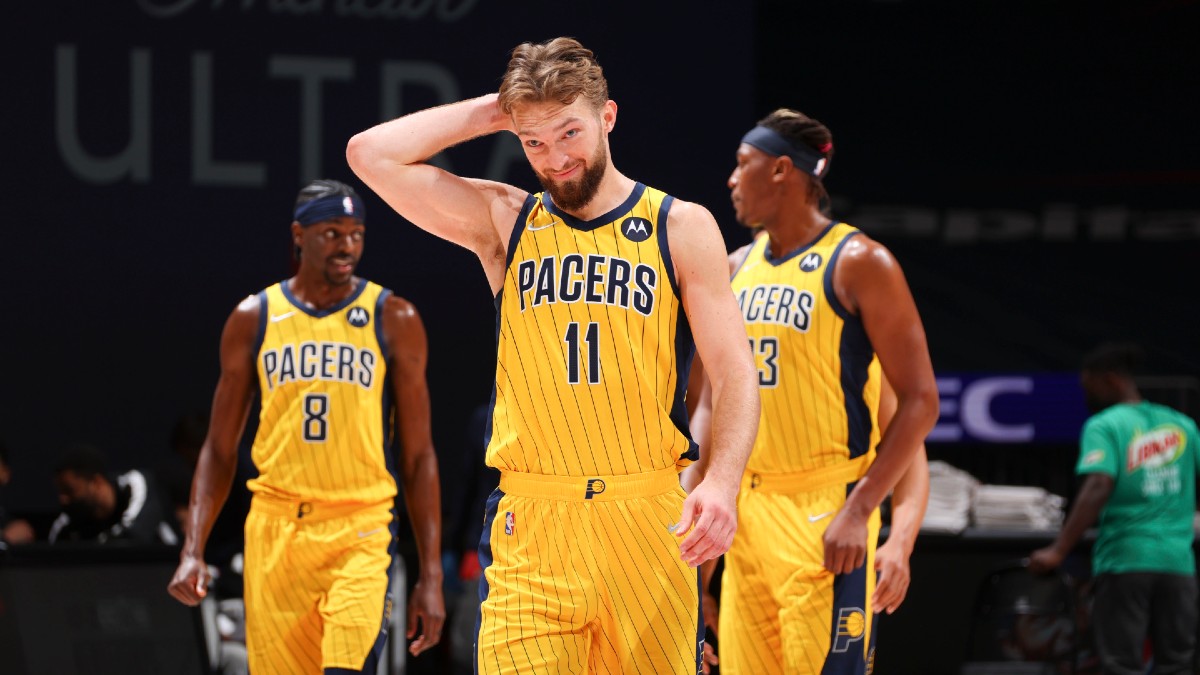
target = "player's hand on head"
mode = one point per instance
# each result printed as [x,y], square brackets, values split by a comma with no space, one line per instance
[894,578]
[426,615]
[707,524]
[189,585]
[845,543]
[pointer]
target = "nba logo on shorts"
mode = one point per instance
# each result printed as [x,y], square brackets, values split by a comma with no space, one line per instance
[510,523]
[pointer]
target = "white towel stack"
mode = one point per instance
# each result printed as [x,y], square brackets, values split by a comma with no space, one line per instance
[1017,507]
[950,491]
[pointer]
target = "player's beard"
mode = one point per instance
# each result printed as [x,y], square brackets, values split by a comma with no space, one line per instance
[573,195]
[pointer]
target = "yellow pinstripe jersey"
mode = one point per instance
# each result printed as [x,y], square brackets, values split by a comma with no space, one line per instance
[323,426]
[593,344]
[818,373]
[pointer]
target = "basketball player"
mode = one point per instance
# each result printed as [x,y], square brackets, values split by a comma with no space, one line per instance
[828,314]
[325,350]
[601,283]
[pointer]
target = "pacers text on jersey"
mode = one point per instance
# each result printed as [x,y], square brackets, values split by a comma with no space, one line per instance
[329,361]
[777,303]
[594,279]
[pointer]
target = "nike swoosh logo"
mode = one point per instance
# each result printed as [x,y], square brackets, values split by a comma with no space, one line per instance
[276,318]
[542,227]
[813,519]
[364,535]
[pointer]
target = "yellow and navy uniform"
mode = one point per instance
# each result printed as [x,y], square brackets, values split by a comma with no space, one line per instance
[591,346]
[588,429]
[819,383]
[325,488]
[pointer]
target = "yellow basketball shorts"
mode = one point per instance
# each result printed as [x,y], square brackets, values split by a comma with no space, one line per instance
[316,583]
[583,575]
[781,610]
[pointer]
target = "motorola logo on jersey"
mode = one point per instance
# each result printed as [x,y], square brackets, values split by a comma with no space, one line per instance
[810,262]
[595,486]
[636,229]
[357,316]
[851,627]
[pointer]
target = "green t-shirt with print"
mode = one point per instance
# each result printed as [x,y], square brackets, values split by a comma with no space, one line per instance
[1150,451]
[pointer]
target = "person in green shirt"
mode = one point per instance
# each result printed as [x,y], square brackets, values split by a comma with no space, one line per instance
[1139,462]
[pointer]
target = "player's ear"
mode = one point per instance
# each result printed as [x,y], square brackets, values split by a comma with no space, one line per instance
[781,168]
[608,115]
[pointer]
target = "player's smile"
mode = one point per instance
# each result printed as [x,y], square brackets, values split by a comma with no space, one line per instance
[566,175]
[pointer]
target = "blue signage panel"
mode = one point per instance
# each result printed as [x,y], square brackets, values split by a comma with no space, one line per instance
[1009,408]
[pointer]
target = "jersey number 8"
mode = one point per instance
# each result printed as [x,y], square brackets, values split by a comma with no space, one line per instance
[316,417]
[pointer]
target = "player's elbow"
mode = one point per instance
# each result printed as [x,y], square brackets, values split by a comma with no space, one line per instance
[926,404]
[360,153]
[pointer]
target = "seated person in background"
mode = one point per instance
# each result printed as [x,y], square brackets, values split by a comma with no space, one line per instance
[12,530]
[101,506]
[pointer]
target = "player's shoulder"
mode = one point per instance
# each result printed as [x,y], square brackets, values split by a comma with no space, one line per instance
[399,307]
[249,308]
[400,319]
[862,250]
[685,212]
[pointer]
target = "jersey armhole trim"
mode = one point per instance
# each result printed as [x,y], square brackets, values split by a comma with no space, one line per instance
[830,295]
[663,210]
[379,335]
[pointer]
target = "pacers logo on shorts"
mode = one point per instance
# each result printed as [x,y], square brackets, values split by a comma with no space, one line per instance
[594,487]
[851,626]
[510,522]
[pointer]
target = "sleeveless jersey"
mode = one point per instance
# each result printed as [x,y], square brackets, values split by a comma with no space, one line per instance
[593,347]
[818,374]
[324,424]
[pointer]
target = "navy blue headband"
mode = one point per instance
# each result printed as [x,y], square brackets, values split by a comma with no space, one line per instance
[328,208]
[771,142]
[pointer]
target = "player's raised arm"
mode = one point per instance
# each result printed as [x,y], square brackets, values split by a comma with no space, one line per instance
[702,269]
[473,213]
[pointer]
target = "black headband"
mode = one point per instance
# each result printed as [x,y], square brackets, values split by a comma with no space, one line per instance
[328,208]
[771,142]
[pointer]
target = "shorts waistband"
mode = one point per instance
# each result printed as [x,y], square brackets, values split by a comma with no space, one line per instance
[803,481]
[309,511]
[589,488]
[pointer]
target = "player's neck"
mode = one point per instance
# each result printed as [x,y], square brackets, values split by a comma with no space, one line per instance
[614,190]
[317,293]
[795,230]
